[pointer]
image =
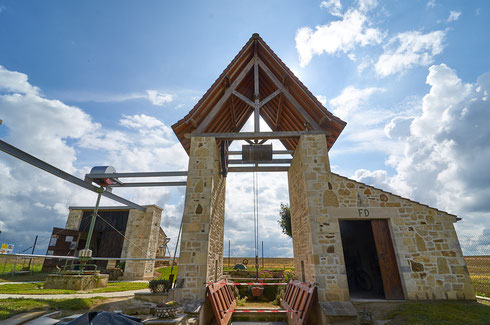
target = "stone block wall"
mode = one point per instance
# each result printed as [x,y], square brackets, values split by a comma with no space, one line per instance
[426,245]
[203,220]
[74,219]
[142,232]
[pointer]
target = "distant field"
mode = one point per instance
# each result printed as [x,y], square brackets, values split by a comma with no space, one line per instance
[269,262]
[479,268]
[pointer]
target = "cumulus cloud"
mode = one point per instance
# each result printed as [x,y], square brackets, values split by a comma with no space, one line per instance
[334,7]
[322,99]
[68,138]
[409,49]
[453,16]
[445,150]
[350,99]
[159,98]
[338,36]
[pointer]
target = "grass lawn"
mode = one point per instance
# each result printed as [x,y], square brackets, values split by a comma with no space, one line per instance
[447,313]
[36,288]
[11,307]
[165,272]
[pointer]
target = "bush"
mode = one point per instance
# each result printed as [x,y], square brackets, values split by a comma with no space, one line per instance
[160,285]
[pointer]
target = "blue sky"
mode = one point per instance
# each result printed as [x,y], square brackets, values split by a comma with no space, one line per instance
[92,83]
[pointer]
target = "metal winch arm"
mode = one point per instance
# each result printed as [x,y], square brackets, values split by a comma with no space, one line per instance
[36,162]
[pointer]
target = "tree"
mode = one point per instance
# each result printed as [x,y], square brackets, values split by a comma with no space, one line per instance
[285,221]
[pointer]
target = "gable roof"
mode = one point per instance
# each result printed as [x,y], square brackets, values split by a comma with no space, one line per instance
[286,104]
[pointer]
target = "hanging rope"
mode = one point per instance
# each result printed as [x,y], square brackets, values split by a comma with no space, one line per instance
[256,221]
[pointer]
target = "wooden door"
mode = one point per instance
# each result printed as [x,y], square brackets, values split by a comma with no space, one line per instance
[387,260]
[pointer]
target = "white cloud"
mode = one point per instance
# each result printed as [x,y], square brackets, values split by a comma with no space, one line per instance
[322,99]
[337,36]
[453,16]
[334,7]
[445,150]
[366,5]
[431,3]
[13,81]
[159,98]
[409,49]
[350,99]
[68,138]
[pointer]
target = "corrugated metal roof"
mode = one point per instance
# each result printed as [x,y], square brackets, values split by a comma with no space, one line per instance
[279,113]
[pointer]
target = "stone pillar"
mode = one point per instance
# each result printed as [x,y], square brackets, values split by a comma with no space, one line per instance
[315,244]
[142,231]
[74,219]
[201,250]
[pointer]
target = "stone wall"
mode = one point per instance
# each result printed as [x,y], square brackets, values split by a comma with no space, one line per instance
[427,247]
[203,220]
[74,219]
[425,242]
[142,232]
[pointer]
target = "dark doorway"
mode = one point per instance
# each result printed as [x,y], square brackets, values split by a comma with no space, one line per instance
[361,259]
[107,238]
[372,270]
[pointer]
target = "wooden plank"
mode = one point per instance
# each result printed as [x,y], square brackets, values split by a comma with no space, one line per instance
[279,109]
[257,135]
[290,97]
[271,96]
[210,116]
[233,114]
[222,302]
[387,260]
[243,98]
[265,169]
[273,161]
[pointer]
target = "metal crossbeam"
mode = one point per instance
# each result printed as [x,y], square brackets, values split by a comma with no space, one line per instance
[149,184]
[36,162]
[137,174]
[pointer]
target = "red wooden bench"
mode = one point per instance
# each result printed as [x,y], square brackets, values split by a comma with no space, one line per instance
[222,301]
[298,301]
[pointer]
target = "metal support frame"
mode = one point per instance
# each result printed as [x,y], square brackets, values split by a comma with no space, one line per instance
[36,162]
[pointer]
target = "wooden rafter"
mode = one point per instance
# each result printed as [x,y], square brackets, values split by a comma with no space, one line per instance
[233,114]
[243,98]
[224,98]
[289,97]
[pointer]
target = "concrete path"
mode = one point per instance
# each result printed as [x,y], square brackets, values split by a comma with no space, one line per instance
[118,294]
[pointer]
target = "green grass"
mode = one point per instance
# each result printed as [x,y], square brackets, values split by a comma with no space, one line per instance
[444,313]
[11,307]
[165,272]
[481,283]
[36,288]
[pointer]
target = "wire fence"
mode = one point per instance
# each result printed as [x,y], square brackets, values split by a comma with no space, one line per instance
[476,250]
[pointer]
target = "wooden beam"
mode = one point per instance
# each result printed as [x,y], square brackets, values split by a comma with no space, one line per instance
[224,98]
[273,161]
[271,96]
[288,95]
[279,108]
[256,95]
[233,115]
[274,152]
[243,98]
[258,169]
[256,135]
